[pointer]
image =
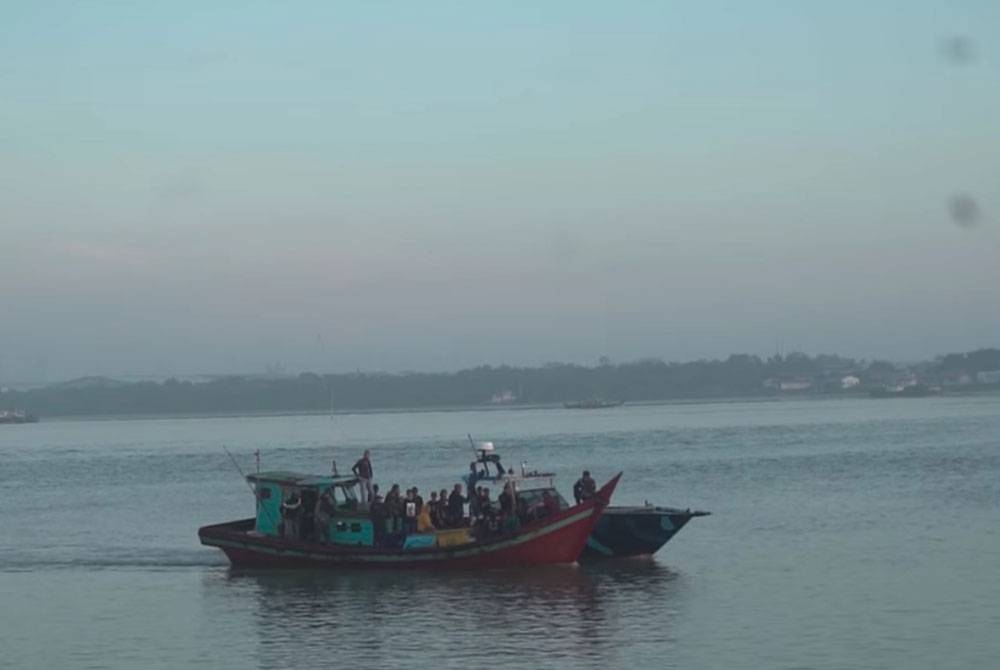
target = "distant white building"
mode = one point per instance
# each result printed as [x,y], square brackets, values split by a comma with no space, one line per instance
[988,377]
[795,385]
[503,398]
[849,382]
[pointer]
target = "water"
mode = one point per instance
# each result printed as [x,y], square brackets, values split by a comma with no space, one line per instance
[844,534]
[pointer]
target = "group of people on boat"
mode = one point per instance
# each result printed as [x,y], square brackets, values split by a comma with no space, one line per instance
[398,514]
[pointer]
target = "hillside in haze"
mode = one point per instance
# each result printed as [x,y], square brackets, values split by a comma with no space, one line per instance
[740,375]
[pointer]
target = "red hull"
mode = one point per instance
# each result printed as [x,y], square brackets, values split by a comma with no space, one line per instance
[557,539]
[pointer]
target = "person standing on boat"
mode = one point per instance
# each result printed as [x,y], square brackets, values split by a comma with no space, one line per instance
[379,515]
[411,510]
[363,471]
[456,506]
[394,509]
[291,512]
[549,504]
[325,509]
[585,488]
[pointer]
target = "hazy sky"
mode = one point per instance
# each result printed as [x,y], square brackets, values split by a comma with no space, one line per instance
[211,187]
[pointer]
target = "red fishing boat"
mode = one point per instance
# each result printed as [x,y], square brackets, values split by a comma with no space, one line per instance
[348,535]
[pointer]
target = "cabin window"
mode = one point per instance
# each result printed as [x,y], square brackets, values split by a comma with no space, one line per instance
[341,527]
[355,527]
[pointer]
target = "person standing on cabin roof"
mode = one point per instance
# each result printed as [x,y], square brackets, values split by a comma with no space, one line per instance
[585,488]
[363,471]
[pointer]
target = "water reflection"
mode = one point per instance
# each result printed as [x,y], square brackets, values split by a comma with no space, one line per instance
[561,615]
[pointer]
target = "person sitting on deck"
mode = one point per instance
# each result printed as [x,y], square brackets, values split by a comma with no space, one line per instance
[585,488]
[456,506]
[291,510]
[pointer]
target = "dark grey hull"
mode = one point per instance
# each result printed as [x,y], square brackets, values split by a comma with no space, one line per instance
[623,532]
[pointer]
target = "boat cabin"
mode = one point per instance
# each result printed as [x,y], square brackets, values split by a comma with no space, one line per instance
[529,487]
[289,505]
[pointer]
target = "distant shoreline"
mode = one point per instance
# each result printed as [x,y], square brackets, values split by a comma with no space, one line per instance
[811,397]
[486,388]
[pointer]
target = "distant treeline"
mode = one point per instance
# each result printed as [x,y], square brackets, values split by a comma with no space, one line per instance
[639,381]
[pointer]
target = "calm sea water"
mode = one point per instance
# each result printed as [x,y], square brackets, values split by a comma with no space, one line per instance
[845,534]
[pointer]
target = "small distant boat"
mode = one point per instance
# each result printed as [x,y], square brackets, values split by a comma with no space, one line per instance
[593,403]
[910,391]
[17,416]
[625,532]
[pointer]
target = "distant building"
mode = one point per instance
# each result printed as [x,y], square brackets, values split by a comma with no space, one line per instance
[503,398]
[776,384]
[957,379]
[795,385]
[849,382]
[988,377]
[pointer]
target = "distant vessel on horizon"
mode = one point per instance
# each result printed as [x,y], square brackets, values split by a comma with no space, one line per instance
[910,391]
[17,416]
[593,403]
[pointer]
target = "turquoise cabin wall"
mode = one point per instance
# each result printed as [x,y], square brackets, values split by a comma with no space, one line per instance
[341,531]
[268,508]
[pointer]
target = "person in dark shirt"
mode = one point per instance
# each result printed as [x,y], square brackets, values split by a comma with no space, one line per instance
[363,471]
[585,488]
[443,508]
[325,509]
[550,505]
[488,512]
[379,514]
[506,501]
[456,506]
[394,509]
[435,510]
[508,519]
[475,502]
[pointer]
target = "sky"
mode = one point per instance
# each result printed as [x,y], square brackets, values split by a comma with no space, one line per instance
[194,187]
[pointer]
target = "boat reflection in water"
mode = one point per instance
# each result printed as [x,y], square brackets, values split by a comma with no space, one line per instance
[581,613]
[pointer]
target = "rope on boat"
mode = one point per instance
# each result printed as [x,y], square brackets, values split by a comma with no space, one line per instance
[253,490]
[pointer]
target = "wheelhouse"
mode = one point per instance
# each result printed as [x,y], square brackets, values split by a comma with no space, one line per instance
[325,507]
[529,487]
